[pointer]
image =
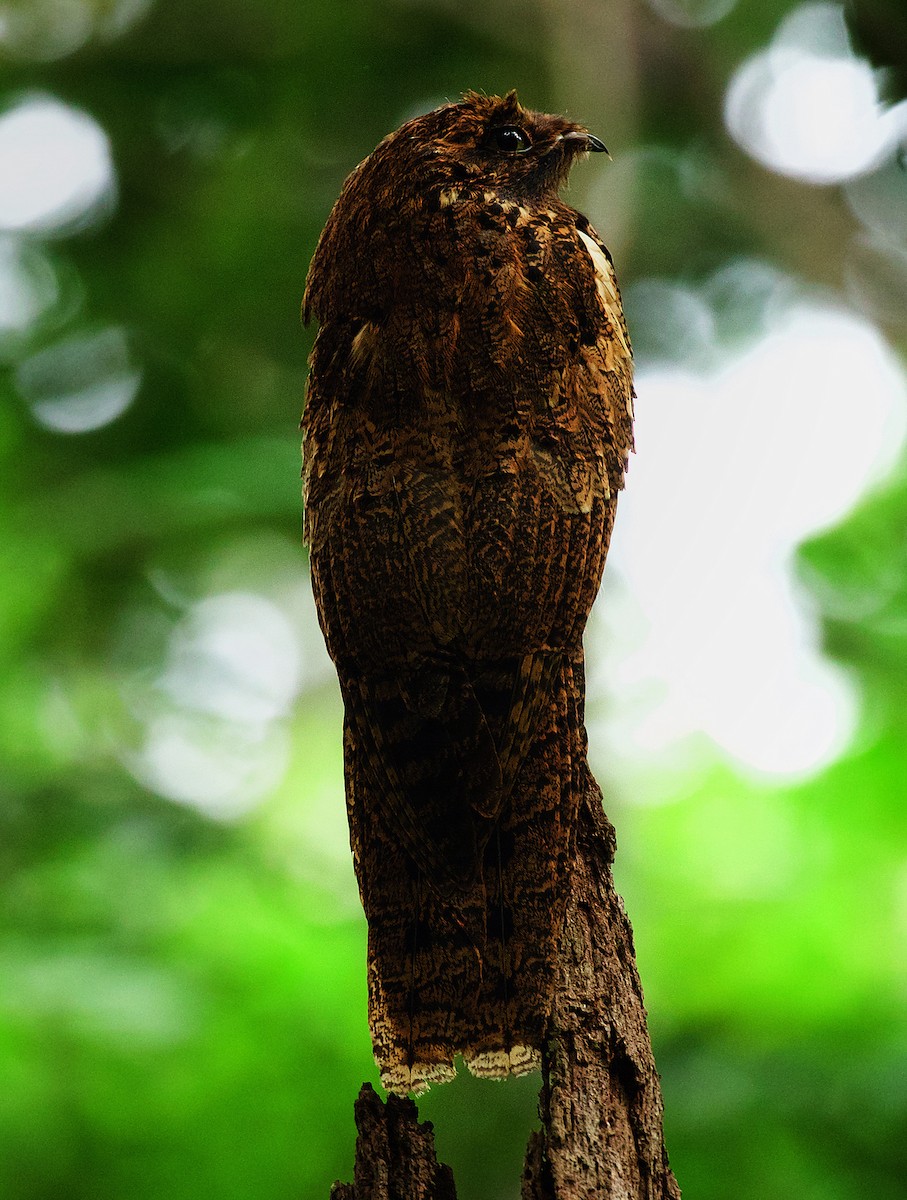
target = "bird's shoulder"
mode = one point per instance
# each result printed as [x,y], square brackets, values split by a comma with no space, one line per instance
[495,313]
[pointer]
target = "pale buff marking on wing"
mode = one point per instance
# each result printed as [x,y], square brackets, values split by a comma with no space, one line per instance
[363,343]
[606,286]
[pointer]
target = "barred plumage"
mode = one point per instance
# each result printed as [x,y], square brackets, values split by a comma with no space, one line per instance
[467,428]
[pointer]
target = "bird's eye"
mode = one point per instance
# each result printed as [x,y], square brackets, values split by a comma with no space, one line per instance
[509,139]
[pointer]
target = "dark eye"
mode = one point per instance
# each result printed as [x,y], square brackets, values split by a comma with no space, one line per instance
[509,139]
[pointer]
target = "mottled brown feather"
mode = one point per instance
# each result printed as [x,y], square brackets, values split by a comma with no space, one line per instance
[467,428]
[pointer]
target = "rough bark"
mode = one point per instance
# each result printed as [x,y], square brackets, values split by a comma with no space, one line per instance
[600,1103]
[395,1155]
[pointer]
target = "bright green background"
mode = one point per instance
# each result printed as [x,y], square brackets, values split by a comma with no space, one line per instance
[182,998]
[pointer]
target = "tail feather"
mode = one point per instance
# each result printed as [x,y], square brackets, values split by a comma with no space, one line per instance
[472,973]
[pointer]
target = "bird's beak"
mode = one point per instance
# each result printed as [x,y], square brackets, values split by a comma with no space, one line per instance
[592,142]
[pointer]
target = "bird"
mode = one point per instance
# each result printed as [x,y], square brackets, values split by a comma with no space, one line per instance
[467,427]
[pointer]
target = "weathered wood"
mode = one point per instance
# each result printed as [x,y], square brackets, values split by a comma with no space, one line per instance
[600,1104]
[395,1154]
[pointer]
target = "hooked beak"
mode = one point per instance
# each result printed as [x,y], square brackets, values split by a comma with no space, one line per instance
[592,142]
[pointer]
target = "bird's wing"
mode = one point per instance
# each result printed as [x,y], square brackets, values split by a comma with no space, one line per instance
[450,581]
[388,551]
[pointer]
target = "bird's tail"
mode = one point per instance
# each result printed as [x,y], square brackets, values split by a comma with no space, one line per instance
[472,973]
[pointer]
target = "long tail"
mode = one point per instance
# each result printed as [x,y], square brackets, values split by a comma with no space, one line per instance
[472,973]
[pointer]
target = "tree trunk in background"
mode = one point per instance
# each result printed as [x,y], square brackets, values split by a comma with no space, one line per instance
[600,1103]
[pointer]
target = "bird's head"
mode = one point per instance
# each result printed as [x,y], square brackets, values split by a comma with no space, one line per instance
[488,142]
[459,157]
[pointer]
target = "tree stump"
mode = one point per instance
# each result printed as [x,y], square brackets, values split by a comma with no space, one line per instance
[600,1103]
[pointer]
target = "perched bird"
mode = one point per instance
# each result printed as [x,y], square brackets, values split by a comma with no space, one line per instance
[466,432]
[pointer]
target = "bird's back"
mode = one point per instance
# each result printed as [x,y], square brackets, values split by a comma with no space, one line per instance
[467,426]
